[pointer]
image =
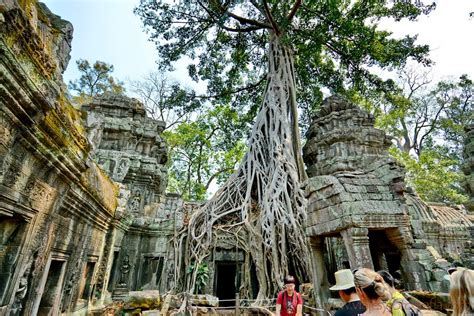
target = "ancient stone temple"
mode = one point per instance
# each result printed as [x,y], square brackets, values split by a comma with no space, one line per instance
[362,214]
[83,213]
[56,205]
[84,217]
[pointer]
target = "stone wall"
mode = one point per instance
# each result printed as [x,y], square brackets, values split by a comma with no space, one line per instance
[56,205]
[129,148]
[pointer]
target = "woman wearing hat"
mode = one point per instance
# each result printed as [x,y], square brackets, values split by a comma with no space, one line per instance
[289,302]
[347,292]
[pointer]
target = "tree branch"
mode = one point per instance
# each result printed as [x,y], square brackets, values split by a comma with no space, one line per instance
[295,8]
[274,26]
[216,174]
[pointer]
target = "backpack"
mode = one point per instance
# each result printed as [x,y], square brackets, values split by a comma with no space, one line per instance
[408,308]
[296,297]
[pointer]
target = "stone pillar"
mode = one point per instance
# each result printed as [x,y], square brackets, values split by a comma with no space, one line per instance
[320,280]
[356,240]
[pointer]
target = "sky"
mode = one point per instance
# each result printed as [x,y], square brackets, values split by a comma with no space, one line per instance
[107,30]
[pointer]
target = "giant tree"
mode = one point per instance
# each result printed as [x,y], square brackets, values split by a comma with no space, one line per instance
[272,55]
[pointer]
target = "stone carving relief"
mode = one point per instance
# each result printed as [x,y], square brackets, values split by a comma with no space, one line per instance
[124,271]
[121,169]
[14,177]
[135,201]
[123,198]
[73,279]
[41,194]
[104,263]
[21,291]
[6,128]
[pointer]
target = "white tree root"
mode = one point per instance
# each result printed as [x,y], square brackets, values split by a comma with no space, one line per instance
[262,204]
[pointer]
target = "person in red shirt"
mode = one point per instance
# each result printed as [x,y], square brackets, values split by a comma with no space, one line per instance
[289,302]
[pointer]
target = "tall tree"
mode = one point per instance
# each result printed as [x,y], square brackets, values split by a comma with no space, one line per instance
[428,124]
[165,100]
[420,112]
[95,79]
[285,51]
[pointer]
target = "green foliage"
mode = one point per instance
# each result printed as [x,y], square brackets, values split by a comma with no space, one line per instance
[433,176]
[95,80]
[202,276]
[458,100]
[423,116]
[204,150]
[334,42]
[427,121]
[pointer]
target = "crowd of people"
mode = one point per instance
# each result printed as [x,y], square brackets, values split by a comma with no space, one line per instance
[369,293]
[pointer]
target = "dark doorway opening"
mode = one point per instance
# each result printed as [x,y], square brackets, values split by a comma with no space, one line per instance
[86,291]
[225,283]
[152,269]
[385,255]
[113,272]
[50,299]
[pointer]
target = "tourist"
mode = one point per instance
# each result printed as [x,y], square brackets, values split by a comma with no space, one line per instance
[462,291]
[396,299]
[289,302]
[347,292]
[372,292]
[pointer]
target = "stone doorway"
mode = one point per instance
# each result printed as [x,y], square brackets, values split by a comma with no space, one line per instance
[85,292]
[151,272]
[49,303]
[113,272]
[12,233]
[226,282]
[385,255]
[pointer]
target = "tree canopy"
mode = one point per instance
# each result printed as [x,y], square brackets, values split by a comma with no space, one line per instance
[166,100]
[335,42]
[204,151]
[427,121]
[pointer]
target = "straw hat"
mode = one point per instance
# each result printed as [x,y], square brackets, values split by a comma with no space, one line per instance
[344,280]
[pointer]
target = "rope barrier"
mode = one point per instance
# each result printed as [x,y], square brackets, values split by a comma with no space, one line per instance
[249,301]
[317,309]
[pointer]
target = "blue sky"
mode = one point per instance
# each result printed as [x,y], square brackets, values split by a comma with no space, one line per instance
[107,30]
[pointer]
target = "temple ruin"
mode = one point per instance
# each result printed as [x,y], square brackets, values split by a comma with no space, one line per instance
[85,219]
[362,214]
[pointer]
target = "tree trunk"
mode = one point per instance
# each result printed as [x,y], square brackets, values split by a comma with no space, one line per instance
[262,205]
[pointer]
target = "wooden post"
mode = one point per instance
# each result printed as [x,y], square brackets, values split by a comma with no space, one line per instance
[237,304]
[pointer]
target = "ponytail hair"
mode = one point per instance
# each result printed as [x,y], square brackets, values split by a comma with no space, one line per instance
[372,284]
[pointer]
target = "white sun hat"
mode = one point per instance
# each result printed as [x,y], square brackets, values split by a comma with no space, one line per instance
[344,280]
